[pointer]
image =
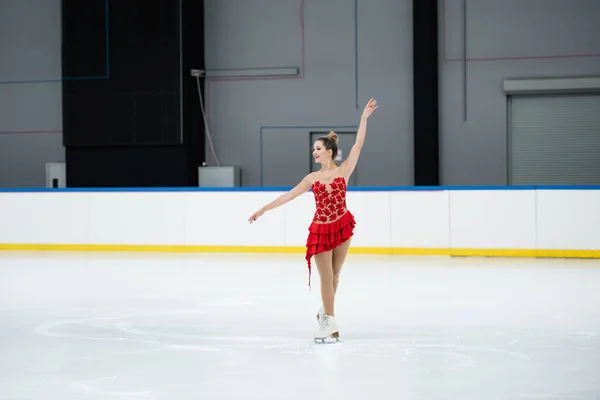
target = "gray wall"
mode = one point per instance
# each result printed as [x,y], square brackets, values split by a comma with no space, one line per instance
[267,33]
[30,106]
[474,152]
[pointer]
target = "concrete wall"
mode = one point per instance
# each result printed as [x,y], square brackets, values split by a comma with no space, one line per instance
[30,91]
[505,39]
[346,51]
[319,38]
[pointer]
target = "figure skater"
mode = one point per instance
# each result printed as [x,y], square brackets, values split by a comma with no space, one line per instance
[333,224]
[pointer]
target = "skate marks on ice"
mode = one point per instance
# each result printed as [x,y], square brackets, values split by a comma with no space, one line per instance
[91,387]
[403,350]
[120,343]
[228,336]
[514,364]
[453,351]
[485,357]
[174,329]
[120,328]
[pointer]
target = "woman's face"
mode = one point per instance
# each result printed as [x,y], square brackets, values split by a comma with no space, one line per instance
[320,153]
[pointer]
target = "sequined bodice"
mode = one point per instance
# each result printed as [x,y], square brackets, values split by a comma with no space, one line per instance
[330,200]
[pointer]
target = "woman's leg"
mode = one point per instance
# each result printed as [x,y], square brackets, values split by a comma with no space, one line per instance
[339,256]
[324,265]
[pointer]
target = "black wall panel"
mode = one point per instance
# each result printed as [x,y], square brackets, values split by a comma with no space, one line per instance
[127,97]
[426,98]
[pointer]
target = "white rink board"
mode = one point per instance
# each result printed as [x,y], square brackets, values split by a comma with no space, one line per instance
[493,219]
[407,219]
[568,219]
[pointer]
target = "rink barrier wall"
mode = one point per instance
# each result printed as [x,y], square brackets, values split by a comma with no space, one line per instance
[504,221]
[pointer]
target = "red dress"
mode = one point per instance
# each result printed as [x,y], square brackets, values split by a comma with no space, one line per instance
[332,223]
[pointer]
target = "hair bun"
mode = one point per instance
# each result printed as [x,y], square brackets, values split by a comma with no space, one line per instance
[333,136]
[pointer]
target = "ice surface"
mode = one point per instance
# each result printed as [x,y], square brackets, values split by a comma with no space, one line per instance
[211,326]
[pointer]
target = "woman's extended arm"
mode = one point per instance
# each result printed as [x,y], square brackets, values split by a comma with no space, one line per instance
[300,188]
[350,163]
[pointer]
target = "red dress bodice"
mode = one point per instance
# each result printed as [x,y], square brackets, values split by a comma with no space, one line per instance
[333,223]
[330,200]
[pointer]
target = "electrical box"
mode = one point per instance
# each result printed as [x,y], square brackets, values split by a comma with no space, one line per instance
[56,175]
[225,176]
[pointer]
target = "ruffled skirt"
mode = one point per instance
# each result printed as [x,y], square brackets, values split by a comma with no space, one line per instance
[325,237]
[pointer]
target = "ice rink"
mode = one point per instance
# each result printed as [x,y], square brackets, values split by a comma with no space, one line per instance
[238,326]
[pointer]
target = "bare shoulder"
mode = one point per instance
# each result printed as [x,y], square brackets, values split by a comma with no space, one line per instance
[312,177]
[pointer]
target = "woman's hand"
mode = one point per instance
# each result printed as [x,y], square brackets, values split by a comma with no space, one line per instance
[257,214]
[369,108]
[300,188]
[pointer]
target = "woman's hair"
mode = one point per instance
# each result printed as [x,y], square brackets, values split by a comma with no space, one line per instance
[330,143]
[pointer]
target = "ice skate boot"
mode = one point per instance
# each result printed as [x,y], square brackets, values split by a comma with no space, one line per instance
[329,329]
[320,315]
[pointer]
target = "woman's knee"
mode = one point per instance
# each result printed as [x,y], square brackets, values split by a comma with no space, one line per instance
[336,278]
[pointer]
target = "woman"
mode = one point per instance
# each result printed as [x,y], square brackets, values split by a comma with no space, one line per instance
[332,226]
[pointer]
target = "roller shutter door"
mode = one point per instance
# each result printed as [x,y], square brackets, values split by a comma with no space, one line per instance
[554,139]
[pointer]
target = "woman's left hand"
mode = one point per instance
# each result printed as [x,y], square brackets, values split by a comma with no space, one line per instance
[369,108]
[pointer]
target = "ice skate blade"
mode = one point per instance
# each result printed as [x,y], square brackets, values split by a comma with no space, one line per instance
[335,336]
[325,341]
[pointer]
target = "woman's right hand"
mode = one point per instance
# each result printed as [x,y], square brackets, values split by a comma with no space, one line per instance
[257,214]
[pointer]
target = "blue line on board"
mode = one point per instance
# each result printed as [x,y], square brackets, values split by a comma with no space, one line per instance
[286,188]
[567,187]
[75,78]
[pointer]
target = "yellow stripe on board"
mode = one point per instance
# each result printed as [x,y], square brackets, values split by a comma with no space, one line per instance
[152,248]
[298,249]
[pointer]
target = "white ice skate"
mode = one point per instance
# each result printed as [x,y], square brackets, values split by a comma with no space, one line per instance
[320,315]
[329,329]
